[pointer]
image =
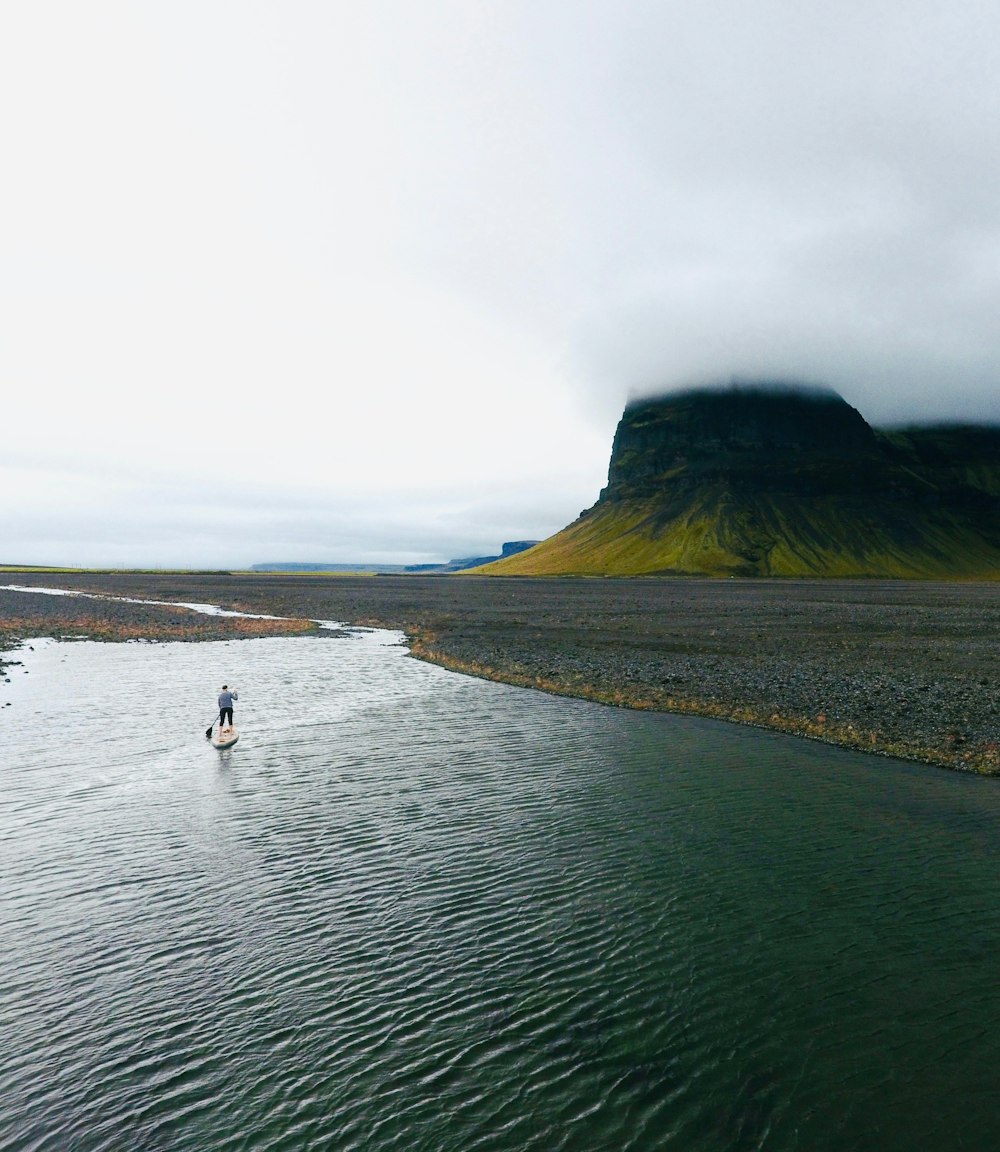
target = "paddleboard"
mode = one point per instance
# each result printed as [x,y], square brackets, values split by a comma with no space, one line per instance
[225,739]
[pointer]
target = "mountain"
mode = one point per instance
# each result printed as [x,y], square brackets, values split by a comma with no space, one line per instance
[777,480]
[320,567]
[511,548]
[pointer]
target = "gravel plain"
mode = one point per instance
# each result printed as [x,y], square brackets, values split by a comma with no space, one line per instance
[897,668]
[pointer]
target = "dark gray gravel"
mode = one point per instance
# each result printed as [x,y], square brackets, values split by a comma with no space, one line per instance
[899,668]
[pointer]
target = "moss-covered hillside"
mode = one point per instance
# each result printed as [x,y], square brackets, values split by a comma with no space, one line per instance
[768,481]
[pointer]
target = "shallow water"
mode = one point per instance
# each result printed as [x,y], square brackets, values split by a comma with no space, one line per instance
[412,910]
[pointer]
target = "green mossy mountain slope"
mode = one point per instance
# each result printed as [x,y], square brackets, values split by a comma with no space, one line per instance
[776,481]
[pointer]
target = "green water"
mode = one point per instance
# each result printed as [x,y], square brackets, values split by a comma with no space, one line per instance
[414,911]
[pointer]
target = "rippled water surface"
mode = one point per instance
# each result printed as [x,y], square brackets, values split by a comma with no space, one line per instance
[414,911]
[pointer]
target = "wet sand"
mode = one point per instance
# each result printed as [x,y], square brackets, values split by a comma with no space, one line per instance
[906,669]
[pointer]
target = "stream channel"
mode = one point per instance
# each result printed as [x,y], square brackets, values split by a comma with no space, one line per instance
[412,910]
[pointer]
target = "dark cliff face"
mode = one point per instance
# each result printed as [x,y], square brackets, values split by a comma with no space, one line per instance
[512,547]
[950,455]
[776,481]
[748,434]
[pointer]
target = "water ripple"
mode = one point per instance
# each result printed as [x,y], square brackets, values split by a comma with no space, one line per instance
[414,911]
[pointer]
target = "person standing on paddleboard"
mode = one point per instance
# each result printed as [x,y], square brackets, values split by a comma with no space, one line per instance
[226,699]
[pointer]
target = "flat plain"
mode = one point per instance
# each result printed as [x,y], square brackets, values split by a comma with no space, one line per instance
[898,668]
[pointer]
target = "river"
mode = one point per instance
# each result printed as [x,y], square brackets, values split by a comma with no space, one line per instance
[411,910]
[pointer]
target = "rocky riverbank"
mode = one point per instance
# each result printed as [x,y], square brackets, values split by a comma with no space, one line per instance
[896,668]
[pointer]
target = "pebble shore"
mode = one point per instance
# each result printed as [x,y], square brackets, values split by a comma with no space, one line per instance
[895,668]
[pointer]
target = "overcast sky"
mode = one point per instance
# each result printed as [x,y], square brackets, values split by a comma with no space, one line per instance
[373,280]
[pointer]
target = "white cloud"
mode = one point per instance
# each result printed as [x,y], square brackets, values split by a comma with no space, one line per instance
[378,278]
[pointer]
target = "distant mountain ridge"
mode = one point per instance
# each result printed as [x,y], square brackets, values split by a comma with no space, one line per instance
[319,567]
[777,480]
[511,548]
